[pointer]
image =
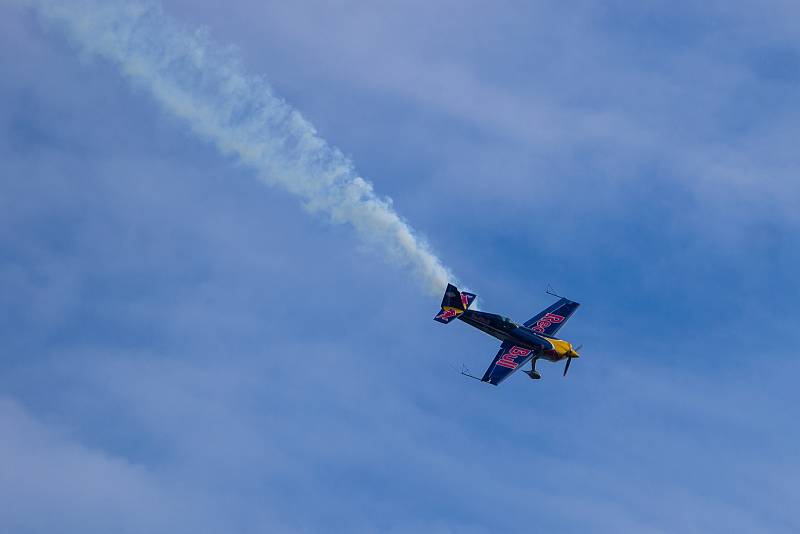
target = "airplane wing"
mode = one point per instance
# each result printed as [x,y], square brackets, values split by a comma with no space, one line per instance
[508,359]
[550,320]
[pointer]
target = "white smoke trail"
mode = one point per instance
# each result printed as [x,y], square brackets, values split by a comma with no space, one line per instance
[204,84]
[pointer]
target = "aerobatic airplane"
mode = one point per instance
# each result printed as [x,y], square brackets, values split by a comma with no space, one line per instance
[521,343]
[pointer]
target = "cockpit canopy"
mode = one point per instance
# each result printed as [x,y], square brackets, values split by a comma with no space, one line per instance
[497,321]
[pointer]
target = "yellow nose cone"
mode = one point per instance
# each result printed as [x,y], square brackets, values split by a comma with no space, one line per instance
[564,348]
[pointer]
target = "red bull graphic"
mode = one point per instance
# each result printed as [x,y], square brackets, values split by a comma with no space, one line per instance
[509,358]
[447,314]
[544,322]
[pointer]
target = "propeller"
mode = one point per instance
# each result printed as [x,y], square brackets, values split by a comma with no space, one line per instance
[569,359]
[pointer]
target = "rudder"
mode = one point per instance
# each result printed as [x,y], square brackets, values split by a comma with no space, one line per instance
[454,303]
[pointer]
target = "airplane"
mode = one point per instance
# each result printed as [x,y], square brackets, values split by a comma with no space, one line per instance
[530,341]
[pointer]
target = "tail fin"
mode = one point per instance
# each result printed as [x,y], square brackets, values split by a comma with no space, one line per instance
[454,303]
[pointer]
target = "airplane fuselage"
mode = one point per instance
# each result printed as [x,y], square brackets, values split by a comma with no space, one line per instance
[505,329]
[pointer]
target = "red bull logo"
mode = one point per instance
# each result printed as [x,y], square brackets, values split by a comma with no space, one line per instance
[447,314]
[548,319]
[509,358]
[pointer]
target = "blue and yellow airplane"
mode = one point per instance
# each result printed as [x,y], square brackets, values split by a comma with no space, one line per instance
[521,343]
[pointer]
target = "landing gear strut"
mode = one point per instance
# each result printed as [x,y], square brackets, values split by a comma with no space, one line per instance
[533,373]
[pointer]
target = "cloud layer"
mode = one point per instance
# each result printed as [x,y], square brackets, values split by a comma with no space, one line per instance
[181,350]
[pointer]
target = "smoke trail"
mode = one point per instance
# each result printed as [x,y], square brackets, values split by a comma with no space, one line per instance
[204,84]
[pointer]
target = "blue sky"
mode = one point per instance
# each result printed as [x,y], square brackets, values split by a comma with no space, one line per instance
[185,349]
